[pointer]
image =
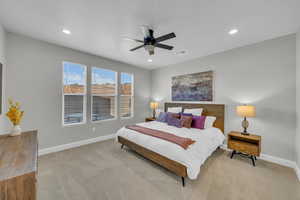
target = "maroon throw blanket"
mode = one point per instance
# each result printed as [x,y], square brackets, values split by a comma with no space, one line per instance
[181,141]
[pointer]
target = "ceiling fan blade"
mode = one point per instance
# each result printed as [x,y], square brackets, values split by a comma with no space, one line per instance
[134,40]
[163,46]
[165,37]
[137,47]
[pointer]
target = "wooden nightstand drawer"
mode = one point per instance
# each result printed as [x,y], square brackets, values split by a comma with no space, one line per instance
[247,145]
[244,147]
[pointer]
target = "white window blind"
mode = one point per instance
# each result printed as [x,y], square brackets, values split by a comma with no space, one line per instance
[104,94]
[126,95]
[74,93]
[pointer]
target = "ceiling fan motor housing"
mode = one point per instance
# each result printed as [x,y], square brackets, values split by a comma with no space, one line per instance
[150,40]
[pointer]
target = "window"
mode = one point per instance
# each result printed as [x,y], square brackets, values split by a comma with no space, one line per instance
[104,94]
[126,95]
[74,93]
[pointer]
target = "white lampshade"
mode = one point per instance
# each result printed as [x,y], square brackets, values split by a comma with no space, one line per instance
[246,111]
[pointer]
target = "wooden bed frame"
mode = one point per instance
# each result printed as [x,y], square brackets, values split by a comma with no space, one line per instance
[179,169]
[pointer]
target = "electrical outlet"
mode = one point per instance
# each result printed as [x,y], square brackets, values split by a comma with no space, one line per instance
[94,129]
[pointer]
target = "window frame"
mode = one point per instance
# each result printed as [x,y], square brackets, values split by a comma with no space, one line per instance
[132,96]
[108,95]
[84,120]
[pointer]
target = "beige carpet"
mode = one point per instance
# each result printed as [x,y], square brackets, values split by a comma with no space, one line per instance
[104,171]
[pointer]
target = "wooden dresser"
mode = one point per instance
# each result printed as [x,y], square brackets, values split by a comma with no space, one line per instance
[18,166]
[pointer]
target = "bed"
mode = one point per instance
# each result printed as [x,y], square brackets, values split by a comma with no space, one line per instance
[184,163]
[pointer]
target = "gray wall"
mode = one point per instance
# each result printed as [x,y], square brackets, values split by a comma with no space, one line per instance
[2,43]
[34,77]
[297,141]
[262,74]
[3,120]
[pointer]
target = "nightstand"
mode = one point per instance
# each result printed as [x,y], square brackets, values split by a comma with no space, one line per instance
[245,145]
[150,119]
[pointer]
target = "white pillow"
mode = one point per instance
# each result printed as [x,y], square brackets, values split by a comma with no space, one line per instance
[194,111]
[175,109]
[209,121]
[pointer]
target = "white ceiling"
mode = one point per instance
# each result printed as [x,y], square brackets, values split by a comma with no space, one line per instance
[201,26]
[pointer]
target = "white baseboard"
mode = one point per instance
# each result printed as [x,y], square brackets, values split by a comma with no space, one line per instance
[74,144]
[273,159]
[277,160]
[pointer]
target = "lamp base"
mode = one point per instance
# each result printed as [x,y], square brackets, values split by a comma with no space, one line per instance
[154,114]
[245,125]
[245,133]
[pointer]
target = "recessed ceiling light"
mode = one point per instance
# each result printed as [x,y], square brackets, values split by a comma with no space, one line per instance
[66,31]
[233,31]
[149,60]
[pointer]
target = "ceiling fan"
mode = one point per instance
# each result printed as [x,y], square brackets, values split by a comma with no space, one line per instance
[150,42]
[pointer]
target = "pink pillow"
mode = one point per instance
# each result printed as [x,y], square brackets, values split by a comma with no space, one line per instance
[198,122]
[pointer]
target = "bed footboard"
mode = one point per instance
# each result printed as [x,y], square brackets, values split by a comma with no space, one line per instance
[167,163]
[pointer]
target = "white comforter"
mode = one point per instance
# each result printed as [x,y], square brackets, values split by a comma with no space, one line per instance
[207,141]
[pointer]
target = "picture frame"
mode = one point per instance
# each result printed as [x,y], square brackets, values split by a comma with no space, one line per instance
[193,87]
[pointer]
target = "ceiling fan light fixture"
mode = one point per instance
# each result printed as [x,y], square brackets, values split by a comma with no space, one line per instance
[149,47]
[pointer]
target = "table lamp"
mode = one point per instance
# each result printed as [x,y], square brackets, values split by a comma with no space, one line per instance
[154,106]
[245,111]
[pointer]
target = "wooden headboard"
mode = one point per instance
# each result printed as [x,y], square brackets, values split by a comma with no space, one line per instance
[216,110]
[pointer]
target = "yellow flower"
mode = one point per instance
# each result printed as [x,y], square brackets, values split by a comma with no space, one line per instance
[10,101]
[14,113]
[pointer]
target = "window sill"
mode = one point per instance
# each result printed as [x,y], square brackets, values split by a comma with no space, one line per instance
[104,120]
[125,118]
[74,124]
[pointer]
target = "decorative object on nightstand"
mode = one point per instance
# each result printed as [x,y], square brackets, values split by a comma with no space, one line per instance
[245,111]
[245,145]
[15,115]
[154,106]
[150,119]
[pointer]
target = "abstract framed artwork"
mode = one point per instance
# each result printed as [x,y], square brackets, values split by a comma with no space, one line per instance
[193,87]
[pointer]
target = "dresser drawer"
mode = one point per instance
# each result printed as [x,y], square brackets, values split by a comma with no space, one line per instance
[243,147]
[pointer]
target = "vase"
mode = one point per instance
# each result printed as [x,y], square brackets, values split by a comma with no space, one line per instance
[16,130]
